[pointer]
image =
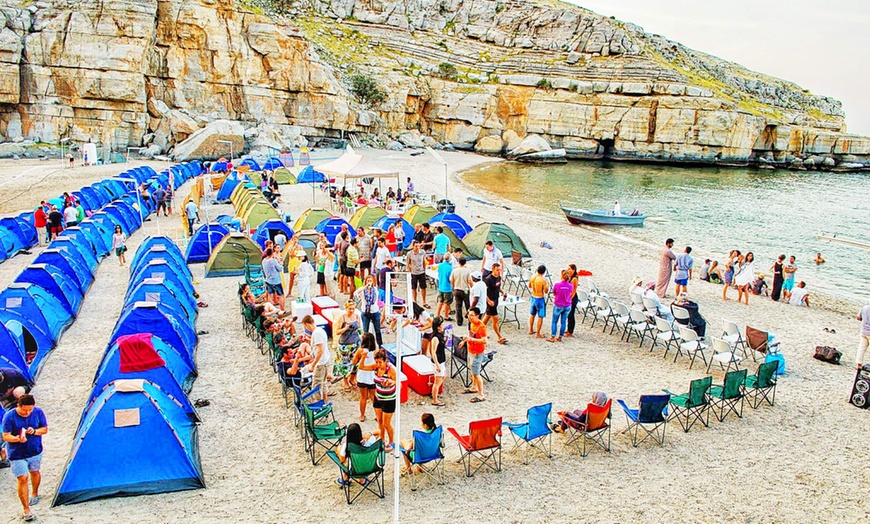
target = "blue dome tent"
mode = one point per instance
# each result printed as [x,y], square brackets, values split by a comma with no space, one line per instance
[54,281]
[154,318]
[218,166]
[455,222]
[163,291]
[161,268]
[38,307]
[32,342]
[268,229]
[70,266]
[331,227]
[73,248]
[309,176]
[223,219]
[172,256]
[272,164]
[11,354]
[203,242]
[25,233]
[384,224]
[250,162]
[151,241]
[229,185]
[85,239]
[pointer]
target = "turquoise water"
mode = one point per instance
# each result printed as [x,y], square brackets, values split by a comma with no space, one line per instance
[715,210]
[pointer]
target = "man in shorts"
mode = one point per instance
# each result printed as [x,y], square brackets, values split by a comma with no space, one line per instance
[460,280]
[366,246]
[321,360]
[160,200]
[445,288]
[683,268]
[788,272]
[416,261]
[23,428]
[476,347]
[539,287]
[493,294]
[272,271]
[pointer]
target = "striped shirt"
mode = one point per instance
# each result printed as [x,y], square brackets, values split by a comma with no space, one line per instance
[382,392]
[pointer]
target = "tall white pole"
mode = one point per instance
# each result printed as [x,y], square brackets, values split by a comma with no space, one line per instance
[397,417]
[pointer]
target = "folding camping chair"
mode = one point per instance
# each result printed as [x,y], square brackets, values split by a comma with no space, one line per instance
[694,405]
[728,397]
[459,362]
[761,386]
[364,468]
[535,433]
[638,324]
[651,416]
[326,436]
[731,334]
[723,353]
[691,345]
[758,341]
[427,455]
[322,410]
[483,443]
[595,429]
[665,333]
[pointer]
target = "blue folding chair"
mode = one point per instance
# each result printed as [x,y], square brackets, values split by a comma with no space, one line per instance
[535,433]
[427,455]
[651,417]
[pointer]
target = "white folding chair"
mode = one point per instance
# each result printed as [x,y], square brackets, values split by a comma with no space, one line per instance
[621,318]
[723,353]
[593,289]
[511,278]
[650,307]
[640,325]
[691,345]
[681,314]
[731,334]
[603,311]
[584,303]
[637,301]
[665,333]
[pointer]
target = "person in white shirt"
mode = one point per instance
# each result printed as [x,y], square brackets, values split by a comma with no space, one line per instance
[70,216]
[280,240]
[321,362]
[382,254]
[617,209]
[192,212]
[800,295]
[303,276]
[477,295]
[491,255]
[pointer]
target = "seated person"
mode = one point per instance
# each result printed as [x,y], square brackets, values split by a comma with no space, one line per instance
[799,295]
[293,361]
[354,434]
[577,417]
[696,321]
[662,311]
[12,385]
[759,286]
[427,422]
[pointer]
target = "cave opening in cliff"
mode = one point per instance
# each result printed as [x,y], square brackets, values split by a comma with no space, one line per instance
[605,147]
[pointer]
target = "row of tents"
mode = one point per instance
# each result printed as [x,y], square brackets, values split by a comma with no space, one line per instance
[47,295]
[283,175]
[138,432]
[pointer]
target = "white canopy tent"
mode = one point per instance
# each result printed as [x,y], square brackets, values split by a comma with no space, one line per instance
[351,165]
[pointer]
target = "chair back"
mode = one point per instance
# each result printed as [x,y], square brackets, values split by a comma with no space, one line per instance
[307,411]
[593,289]
[484,434]
[636,299]
[602,302]
[698,390]
[722,346]
[680,313]
[688,334]
[756,339]
[637,316]
[652,408]
[364,461]
[663,325]
[460,350]
[766,373]
[427,446]
[650,305]
[596,416]
[730,328]
[582,295]
[733,381]
[539,418]
[620,309]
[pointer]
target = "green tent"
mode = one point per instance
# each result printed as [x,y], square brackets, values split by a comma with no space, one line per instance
[284,176]
[310,218]
[501,235]
[366,216]
[455,242]
[229,257]
[259,212]
[419,213]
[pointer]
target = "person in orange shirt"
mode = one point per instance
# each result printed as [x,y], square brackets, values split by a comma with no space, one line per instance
[476,347]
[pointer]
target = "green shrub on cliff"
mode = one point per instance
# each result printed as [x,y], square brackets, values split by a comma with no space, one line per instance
[447,70]
[366,90]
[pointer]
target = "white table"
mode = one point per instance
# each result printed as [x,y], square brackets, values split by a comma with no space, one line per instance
[509,305]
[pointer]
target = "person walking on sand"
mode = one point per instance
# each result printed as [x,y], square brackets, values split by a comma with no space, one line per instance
[538,288]
[683,267]
[119,245]
[864,337]
[494,293]
[666,262]
[476,347]
[23,428]
[776,269]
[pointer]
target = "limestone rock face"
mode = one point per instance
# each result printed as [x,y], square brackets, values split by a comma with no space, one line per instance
[491,144]
[209,142]
[9,150]
[531,144]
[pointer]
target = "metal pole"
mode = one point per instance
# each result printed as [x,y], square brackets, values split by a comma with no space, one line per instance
[397,417]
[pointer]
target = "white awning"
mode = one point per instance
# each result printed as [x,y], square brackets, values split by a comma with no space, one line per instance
[352,165]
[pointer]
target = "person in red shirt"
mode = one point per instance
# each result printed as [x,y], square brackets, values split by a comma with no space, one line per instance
[40,221]
[476,346]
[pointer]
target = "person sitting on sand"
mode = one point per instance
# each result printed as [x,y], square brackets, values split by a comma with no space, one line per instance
[819,260]
[577,417]
[759,286]
[799,295]
[427,422]
[355,435]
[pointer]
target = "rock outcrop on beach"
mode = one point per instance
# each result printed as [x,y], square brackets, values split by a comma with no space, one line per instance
[481,74]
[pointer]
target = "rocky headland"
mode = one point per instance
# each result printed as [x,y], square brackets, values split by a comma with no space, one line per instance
[503,77]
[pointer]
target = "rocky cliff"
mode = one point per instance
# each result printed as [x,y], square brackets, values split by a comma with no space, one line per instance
[480,74]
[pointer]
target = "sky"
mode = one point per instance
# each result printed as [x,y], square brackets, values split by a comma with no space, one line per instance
[823,46]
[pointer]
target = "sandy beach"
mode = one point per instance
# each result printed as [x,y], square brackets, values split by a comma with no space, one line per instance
[794,462]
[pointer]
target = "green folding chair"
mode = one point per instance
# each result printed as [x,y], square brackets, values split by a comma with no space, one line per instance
[728,398]
[364,468]
[761,387]
[693,406]
[324,436]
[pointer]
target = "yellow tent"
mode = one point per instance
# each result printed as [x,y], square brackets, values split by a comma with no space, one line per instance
[419,213]
[310,218]
[229,257]
[366,216]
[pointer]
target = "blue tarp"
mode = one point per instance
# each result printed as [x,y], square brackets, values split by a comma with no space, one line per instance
[203,242]
[268,229]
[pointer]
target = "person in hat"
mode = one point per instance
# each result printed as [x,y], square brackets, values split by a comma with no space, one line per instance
[477,295]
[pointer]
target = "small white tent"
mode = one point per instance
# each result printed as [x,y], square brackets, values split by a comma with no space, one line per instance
[352,165]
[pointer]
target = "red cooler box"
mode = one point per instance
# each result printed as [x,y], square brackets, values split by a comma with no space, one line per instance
[420,372]
[321,303]
[403,389]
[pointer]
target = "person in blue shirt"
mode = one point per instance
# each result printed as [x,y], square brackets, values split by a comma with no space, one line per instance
[272,273]
[442,244]
[23,428]
[445,288]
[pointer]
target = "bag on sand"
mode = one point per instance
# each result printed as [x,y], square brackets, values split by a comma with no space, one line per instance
[828,354]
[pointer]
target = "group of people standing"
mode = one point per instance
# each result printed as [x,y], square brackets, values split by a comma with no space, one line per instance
[50,221]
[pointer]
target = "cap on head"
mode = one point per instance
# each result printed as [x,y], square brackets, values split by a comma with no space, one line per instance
[477,275]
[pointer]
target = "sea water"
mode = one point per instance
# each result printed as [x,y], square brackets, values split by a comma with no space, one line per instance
[715,210]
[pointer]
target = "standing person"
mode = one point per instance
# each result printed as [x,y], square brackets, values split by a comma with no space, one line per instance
[364,362]
[399,233]
[280,240]
[382,279]
[273,272]
[776,269]
[666,261]
[494,293]
[441,243]
[321,360]
[460,280]
[391,241]
[728,275]
[575,282]
[477,295]
[428,242]
[445,288]
[40,221]
[476,346]
[382,254]
[72,160]
[341,250]
[80,211]
[366,246]
[683,268]
[353,260]
[160,200]
[385,397]
[410,187]
[367,297]
[303,276]
[788,277]
[70,215]
[192,212]
[169,195]
[55,223]
[744,277]
[538,288]
[561,306]
[23,428]
[439,359]
[416,262]
[864,337]
[119,245]
[491,255]
[348,327]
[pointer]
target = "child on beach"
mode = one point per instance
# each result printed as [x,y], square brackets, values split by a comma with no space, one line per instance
[119,245]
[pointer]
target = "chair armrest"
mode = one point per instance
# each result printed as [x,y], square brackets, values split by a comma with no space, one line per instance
[463,441]
[511,425]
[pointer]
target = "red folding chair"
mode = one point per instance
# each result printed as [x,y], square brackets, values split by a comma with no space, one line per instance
[482,443]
